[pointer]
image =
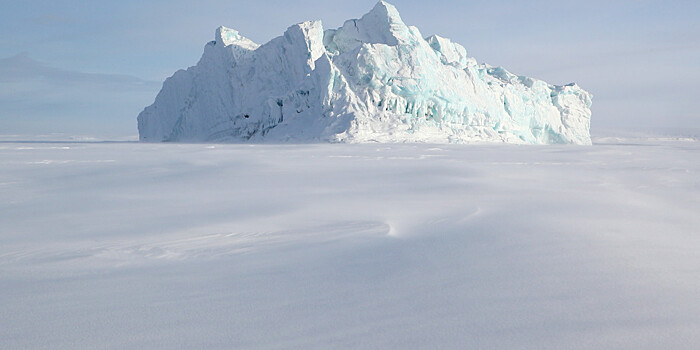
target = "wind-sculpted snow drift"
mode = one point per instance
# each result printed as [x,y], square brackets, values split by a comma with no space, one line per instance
[375,79]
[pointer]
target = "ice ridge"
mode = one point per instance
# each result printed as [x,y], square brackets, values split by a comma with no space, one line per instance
[374,79]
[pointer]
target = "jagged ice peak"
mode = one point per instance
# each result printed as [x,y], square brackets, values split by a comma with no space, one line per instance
[374,79]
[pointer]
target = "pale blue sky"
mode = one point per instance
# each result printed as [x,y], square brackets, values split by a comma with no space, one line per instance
[640,59]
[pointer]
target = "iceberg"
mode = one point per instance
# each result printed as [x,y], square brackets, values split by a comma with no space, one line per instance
[375,79]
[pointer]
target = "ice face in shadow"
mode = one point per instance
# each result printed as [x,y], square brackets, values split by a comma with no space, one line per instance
[374,79]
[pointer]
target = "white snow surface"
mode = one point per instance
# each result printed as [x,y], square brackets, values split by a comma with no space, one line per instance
[350,246]
[375,79]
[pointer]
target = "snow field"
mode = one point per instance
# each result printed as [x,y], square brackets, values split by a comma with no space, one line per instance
[131,245]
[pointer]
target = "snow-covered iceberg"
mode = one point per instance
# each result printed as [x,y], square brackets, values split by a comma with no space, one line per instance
[375,79]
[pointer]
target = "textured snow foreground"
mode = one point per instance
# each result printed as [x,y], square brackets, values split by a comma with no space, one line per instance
[146,246]
[375,79]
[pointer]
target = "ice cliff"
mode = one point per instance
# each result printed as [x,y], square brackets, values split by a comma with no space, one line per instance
[375,79]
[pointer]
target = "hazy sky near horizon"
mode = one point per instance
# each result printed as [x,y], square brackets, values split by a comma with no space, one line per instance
[103,61]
